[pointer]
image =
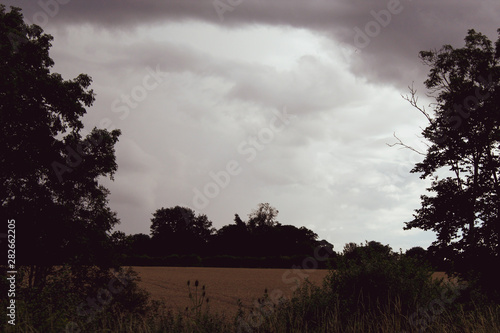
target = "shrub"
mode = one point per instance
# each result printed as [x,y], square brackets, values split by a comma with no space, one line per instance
[370,287]
[380,280]
[79,297]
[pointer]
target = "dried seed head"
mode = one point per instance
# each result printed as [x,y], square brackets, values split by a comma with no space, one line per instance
[196,283]
[189,282]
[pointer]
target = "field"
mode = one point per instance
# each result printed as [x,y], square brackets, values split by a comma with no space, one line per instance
[224,286]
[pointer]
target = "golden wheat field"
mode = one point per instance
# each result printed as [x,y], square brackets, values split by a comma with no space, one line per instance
[224,286]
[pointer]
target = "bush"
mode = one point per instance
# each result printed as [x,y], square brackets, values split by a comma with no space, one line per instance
[370,287]
[76,297]
[380,280]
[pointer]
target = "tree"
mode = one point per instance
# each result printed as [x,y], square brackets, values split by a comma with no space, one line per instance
[350,248]
[263,236]
[239,222]
[289,240]
[416,252]
[355,253]
[264,215]
[233,239]
[370,277]
[463,155]
[120,242]
[178,230]
[50,173]
[140,244]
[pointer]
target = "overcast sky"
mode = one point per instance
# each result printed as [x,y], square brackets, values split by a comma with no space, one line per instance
[229,103]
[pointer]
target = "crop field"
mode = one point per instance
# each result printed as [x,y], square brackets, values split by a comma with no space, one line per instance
[224,286]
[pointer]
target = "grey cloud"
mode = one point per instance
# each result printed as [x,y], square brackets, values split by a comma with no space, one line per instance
[413,25]
[332,162]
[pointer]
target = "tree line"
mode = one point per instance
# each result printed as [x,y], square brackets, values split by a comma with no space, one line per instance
[180,237]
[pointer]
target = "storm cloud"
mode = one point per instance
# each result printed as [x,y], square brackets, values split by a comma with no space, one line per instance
[232,103]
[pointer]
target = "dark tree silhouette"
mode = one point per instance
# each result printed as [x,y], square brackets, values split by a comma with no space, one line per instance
[464,138]
[355,253]
[120,243]
[233,239]
[49,171]
[290,240]
[350,248]
[264,215]
[263,236]
[140,244]
[416,252]
[238,221]
[179,231]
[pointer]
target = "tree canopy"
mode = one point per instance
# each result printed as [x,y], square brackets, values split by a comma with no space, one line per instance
[50,171]
[264,215]
[463,155]
[178,230]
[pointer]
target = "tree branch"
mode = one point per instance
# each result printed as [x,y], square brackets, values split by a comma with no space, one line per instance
[403,145]
[413,99]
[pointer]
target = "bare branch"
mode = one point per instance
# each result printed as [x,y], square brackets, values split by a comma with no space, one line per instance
[403,145]
[413,99]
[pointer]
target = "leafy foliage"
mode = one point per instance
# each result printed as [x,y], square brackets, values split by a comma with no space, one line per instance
[264,215]
[464,137]
[372,277]
[372,290]
[263,236]
[178,230]
[50,171]
[50,184]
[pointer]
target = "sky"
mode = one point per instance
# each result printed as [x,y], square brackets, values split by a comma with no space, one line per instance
[226,104]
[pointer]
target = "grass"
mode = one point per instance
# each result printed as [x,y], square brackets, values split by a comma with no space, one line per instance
[313,307]
[286,318]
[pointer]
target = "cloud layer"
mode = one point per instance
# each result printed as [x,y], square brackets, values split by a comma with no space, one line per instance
[286,102]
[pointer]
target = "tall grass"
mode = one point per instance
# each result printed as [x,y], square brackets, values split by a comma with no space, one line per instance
[293,316]
[286,318]
[355,298]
